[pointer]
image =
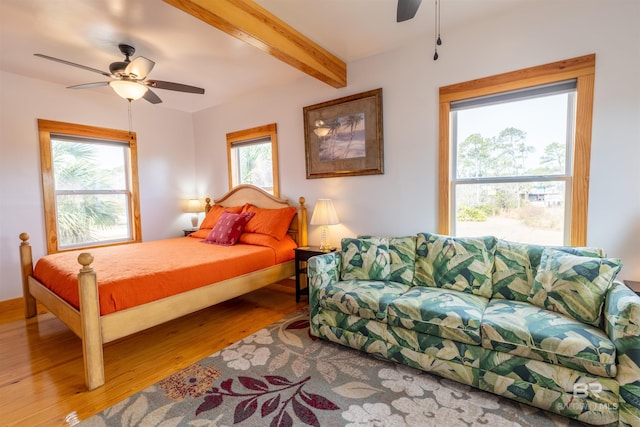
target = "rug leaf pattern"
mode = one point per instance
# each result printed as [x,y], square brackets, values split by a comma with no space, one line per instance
[282,376]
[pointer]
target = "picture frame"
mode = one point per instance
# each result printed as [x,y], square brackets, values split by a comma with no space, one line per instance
[344,137]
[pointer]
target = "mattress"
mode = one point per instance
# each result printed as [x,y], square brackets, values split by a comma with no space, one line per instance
[135,274]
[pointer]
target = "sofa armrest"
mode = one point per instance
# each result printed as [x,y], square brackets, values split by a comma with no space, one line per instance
[322,271]
[622,325]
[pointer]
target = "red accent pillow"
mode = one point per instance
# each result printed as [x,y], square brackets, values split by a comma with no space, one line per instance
[272,222]
[213,216]
[229,228]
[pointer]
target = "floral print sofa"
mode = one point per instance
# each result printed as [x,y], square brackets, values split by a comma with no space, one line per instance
[545,326]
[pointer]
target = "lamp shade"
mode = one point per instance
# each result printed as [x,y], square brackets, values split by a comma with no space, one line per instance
[193,206]
[128,89]
[324,213]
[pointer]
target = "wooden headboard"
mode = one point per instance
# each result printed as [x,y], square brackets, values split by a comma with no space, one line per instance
[246,193]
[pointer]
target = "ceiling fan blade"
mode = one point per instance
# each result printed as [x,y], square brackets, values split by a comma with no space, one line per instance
[159,84]
[139,67]
[152,97]
[73,64]
[88,85]
[407,9]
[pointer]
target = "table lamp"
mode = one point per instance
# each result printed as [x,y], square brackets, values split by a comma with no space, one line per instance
[195,207]
[324,214]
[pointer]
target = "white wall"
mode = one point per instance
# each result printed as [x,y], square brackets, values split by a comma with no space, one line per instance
[165,162]
[404,199]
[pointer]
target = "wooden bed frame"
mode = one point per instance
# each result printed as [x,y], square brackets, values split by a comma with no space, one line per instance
[96,330]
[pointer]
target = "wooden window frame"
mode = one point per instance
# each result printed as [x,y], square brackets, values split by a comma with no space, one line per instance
[48,127]
[270,131]
[583,70]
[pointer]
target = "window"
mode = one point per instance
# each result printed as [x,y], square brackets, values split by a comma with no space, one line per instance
[253,158]
[514,154]
[90,186]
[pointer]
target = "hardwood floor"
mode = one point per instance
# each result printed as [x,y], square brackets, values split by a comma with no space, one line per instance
[41,369]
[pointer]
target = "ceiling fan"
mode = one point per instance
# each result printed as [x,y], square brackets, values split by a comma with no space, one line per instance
[129,77]
[407,9]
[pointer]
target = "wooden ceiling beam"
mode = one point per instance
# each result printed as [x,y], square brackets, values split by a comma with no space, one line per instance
[251,23]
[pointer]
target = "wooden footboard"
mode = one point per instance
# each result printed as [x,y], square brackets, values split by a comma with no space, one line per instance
[96,330]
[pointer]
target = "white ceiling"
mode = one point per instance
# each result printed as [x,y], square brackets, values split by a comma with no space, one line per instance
[189,51]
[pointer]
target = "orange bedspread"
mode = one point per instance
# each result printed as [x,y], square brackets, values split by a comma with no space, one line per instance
[131,275]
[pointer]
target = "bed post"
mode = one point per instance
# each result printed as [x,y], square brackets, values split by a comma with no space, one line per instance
[90,320]
[302,222]
[26,262]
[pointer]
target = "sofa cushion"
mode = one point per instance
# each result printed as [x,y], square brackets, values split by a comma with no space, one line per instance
[356,324]
[588,398]
[513,272]
[402,257]
[516,265]
[402,254]
[461,263]
[439,312]
[573,285]
[367,299]
[522,329]
[365,258]
[431,346]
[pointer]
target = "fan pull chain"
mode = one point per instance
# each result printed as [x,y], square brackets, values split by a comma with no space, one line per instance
[437,30]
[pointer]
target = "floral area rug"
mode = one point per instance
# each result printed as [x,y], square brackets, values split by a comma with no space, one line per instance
[281,376]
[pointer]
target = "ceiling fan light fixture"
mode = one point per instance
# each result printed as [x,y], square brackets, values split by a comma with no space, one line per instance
[128,89]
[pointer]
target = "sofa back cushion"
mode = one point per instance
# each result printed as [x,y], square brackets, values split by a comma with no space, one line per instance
[365,258]
[459,263]
[573,285]
[516,265]
[402,257]
[402,252]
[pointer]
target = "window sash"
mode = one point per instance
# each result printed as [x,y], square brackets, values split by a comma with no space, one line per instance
[68,132]
[568,87]
[238,140]
[532,93]
[583,70]
[238,170]
[124,233]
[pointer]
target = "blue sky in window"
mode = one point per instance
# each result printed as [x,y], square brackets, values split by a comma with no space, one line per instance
[544,119]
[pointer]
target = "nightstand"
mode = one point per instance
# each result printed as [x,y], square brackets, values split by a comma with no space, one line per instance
[633,285]
[188,231]
[302,255]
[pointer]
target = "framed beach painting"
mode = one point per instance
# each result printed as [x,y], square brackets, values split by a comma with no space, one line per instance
[343,137]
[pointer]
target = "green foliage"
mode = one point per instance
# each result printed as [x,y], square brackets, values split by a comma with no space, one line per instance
[255,165]
[513,151]
[554,157]
[79,216]
[468,213]
[475,157]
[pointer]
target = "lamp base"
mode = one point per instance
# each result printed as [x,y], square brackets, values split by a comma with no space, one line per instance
[325,244]
[194,221]
[327,248]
